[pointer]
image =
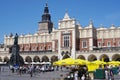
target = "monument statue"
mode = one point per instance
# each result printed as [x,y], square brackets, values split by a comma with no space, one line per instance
[16,59]
[16,39]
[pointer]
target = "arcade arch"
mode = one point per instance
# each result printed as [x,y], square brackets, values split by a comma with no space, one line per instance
[116,57]
[104,57]
[45,59]
[6,59]
[81,57]
[54,58]
[36,59]
[92,57]
[28,59]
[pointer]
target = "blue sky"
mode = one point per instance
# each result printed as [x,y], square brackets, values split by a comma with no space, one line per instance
[22,16]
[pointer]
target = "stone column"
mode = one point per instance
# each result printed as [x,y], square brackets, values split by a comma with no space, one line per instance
[73,50]
[53,45]
[59,46]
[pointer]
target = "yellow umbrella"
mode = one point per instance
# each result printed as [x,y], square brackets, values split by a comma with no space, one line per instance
[56,62]
[81,62]
[114,62]
[92,66]
[68,61]
[99,62]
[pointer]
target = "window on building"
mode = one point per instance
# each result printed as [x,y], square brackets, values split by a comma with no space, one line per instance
[99,44]
[49,47]
[84,44]
[41,48]
[108,44]
[66,40]
[33,48]
[119,44]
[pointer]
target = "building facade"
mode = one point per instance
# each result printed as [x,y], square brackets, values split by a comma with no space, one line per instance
[69,40]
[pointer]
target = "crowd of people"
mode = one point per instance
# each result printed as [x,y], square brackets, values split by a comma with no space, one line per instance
[82,73]
[110,71]
[30,69]
[78,73]
[74,73]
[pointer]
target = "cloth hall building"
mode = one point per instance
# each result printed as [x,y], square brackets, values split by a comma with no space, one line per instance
[69,40]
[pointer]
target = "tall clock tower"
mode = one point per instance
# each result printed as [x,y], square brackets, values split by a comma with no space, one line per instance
[45,26]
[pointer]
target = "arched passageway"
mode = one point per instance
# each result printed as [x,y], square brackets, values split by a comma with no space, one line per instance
[36,59]
[45,59]
[54,58]
[81,57]
[104,58]
[92,57]
[28,59]
[116,57]
[6,59]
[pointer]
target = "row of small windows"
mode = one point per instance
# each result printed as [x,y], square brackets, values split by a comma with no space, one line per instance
[109,44]
[35,47]
[84,44]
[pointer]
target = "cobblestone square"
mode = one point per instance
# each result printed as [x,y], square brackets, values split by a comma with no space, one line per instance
[6,74]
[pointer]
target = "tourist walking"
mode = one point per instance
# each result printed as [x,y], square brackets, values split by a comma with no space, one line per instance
[109,74]
[83,77]
[31,71]
[0,68]
[76,75]
[20,70]
[43,68]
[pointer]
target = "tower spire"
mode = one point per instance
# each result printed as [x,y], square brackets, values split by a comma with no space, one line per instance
[46,3]
[46,17]
[46,10]
[45,25]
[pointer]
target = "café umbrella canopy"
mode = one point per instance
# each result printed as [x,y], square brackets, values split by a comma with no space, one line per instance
[56,62]
[71,61]
[114,62]
[92,66]
[67,61]
[99,62]
[81,62]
